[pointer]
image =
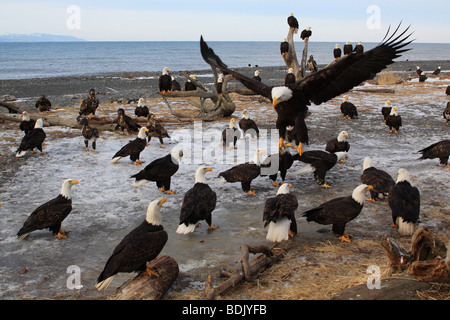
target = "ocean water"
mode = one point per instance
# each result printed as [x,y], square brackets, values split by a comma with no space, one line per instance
[57,59]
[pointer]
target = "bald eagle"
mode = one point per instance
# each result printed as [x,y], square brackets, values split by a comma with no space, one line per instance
[348,109]
[339,143]
[440,150]
[348,48]
[386,110]
[312,64]
[244,173]
[165,81]
[446,113]
[279,215]
[284,47]
[247,125]
[359,48]
[256,76]
[293,22]
[423,77]
[290,77]
[394,120]
[160,170]
[282,164]
[305,34]
[319,163]
[51,214]
[27,123]
[437,71]
[141,109]
[156,130]
[189,85]
[142,245]
[337,52]
[133,148]
[418,70]
[33,139]
[126,122]
[290,102]
[339,211]
[89,105]
[176,86]
[43,104]
[89,133]
[198,204]
[404,201]
[380,180]
[230,135]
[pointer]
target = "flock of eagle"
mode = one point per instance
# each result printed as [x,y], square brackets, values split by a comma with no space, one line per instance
[290,102]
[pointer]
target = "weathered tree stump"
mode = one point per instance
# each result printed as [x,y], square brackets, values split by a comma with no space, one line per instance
[143,287]
[10,107]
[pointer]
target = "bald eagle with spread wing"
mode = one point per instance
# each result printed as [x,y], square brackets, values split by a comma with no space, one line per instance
[291,101]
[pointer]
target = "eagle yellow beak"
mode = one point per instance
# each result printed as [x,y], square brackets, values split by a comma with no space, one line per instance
[160,203]
[370,187]
[275,102]
[75,182]
[208,169]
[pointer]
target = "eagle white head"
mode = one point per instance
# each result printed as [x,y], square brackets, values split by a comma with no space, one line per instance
[345,98]
[403,175]
[176,155]
[367,163]
[291,70]
[387,103]
[359,193]
[39,124]
[284,188]
[25,116]
[394,111]
[154,212]
[200,174]
[245,114]
[142,133]
[232,124]
[308,28]
[280,94]
[257,73]
[165,71]
[66,188]
[141,102]
[342,136]
[257,156]
[337,45]
[348,42]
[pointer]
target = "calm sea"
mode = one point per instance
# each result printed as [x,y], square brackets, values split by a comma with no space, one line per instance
[56,59]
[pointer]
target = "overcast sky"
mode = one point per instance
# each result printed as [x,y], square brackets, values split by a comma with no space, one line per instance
[225,20]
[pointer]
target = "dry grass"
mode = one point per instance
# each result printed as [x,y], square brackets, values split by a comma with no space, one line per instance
[388,77]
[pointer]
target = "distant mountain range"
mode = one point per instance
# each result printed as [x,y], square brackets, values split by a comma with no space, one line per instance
[37,37]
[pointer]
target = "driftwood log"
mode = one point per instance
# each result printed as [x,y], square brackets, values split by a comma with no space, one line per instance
[10,107]
[428,260]
[246,272]
[291,60]
[143,287]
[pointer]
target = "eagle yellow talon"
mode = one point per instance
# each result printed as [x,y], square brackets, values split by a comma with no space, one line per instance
[251,193]
[325,185]
[212,227]
[275,184]
[151,272]
[170,192]
[370,199]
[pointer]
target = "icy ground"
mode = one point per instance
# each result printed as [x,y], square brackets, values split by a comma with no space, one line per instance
[106,207]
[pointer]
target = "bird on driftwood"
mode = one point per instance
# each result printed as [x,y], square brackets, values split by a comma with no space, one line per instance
[126,122]
[89,105]
[141,109]
[43,104]
[291,102]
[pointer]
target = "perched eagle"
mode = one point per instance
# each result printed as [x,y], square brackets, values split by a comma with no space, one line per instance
[404,201]
[394,120]
[165,81]
[126,122]
[219,84]
[141,109]
[437,71]
[386,110]
[244,173]
[27,123]
[423,77]
[43,104]
[348,48]
[160,170]
[289,78]
[319,163]
[279,215]
[89,133]
[198,204]
[89,105]
[256,76]
[248,126]
[440,150]
[51,214]
[380,180]
[133,148]
[418,70]
[305,34]
[348,109]
[312,64]
[142,245]
[230,135]
[446,113]
[293,22]
[176,86]
[156,130]
[290,102]
[189,85]
[359,48]
[339,143]
[282,164]
[33,139]
[284,47]
[339,211]
[337,52]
